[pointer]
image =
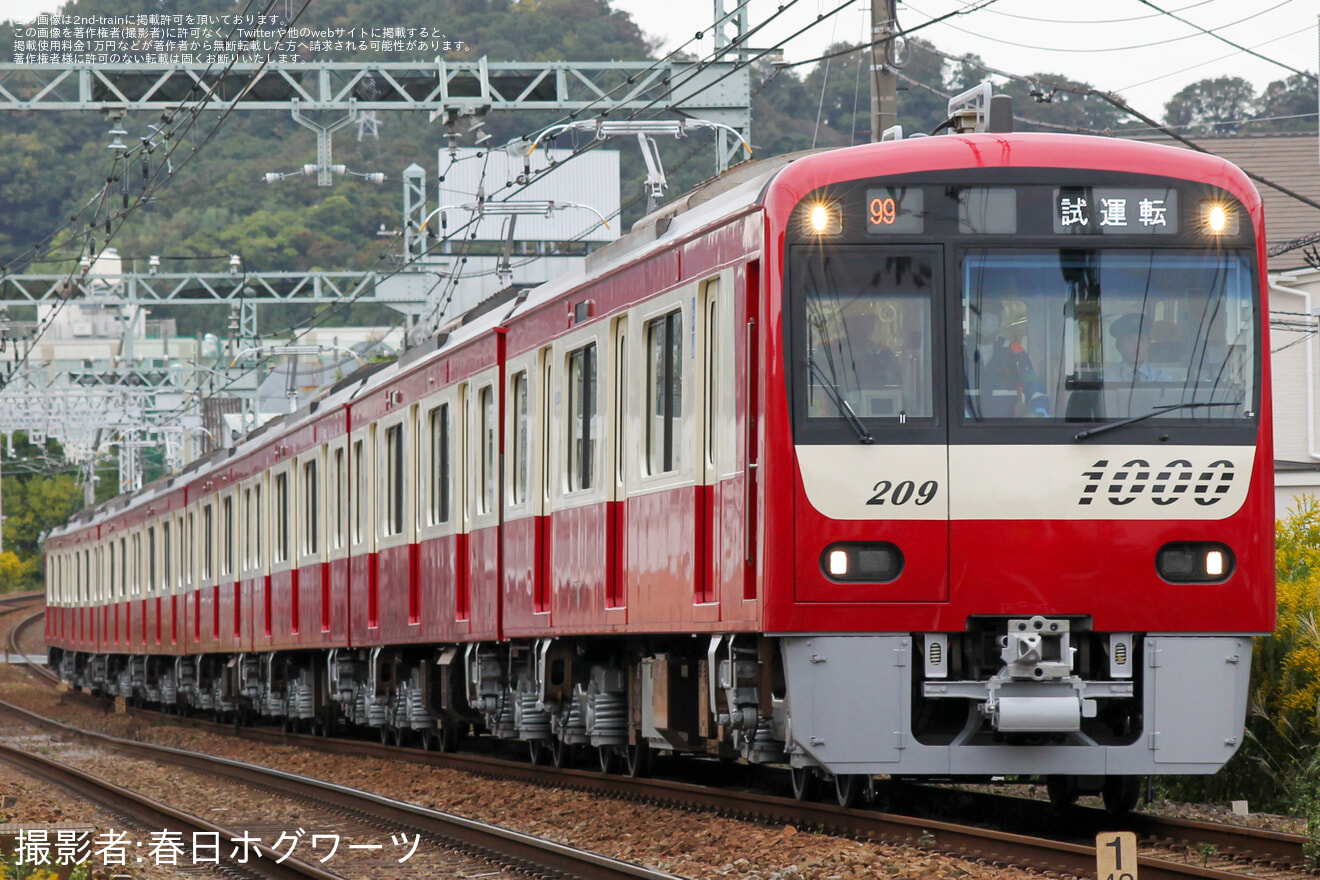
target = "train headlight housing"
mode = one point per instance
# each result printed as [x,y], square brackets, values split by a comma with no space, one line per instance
[821,217]
[862,562]
[1194,562]
[1219,218]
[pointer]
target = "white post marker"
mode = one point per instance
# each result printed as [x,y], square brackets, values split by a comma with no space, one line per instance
[1116,855]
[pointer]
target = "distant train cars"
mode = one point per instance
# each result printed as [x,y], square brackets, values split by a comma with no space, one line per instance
[939,457]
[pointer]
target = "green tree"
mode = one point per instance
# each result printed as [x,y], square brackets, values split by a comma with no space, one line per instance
[1221,104]
[1287,105]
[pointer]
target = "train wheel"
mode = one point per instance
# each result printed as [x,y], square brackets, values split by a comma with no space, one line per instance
[637,759]
[608,758]
[1062,791]
[561,753]
[806,783]
[451,734]
[1121,793]
[846,788]
[537,751]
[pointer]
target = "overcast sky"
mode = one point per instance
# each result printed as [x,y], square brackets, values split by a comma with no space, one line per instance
[1120,45]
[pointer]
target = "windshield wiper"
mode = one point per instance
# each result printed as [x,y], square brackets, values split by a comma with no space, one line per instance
[1159,410]
[840,403]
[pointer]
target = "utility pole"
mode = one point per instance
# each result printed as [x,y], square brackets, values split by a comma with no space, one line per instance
[884,82]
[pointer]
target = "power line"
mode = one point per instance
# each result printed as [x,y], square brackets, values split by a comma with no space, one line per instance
[979,5]
[1093,50]
[1215,60]
[1221,39]
[1088,92]
[1034,18]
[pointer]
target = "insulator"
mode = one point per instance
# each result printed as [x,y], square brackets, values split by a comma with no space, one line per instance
[146,168]
[107,226]
[124,199]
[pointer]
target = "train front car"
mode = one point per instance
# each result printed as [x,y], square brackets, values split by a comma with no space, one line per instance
[1026,384]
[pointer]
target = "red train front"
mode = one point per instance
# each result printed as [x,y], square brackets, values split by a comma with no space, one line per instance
[941,457]
[1027,386]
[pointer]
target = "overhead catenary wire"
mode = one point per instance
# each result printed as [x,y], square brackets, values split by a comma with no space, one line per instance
[1119,103]
[1084,50]
[1223,39]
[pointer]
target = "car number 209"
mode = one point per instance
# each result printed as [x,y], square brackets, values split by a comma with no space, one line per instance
[888,492]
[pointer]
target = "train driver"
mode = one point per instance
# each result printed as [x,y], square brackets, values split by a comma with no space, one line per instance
[1002,383]
[1131,334]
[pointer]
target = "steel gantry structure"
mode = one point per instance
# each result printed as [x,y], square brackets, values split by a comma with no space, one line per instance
[134,407]
[719,91]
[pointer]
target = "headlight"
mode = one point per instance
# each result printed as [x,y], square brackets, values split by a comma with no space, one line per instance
[871,563]
[1219,218]
[821,217]
[1190,562]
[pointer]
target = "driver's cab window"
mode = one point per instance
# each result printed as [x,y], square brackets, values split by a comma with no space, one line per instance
[868,329]
[1097,334]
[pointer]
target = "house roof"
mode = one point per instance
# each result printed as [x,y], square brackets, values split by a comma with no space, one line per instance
[1290,159]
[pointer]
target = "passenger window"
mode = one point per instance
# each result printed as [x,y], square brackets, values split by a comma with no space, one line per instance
[581,417]
[440,475]
[518,477]
[486,437]
[664,384]
[281,517]
[311,509]
[394,471]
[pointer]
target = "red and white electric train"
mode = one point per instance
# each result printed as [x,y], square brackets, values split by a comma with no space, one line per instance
[942,457]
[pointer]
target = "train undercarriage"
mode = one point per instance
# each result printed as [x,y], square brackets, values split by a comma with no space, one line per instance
[1030,698]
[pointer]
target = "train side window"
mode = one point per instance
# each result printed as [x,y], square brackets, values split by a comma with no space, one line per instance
[137,564]
[208,542]
[123,567]
[664,392]
[581,421]
[521,435]
[360,493]
[441,488]
[311,508]
[486,438]
[394,473]
[280,518]
[167,557]
[544,414]
[151,560]
[227,535]
[258,561]
[249,546]
[113,569]
[338,520]
[712,389]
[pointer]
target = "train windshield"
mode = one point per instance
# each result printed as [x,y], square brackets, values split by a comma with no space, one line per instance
[1095,335]
[868,335]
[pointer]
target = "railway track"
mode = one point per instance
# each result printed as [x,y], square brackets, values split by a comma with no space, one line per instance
[152,815]
[1169,843]
[514,851]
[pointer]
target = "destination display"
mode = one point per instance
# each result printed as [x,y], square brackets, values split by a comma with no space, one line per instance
[1114,210]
